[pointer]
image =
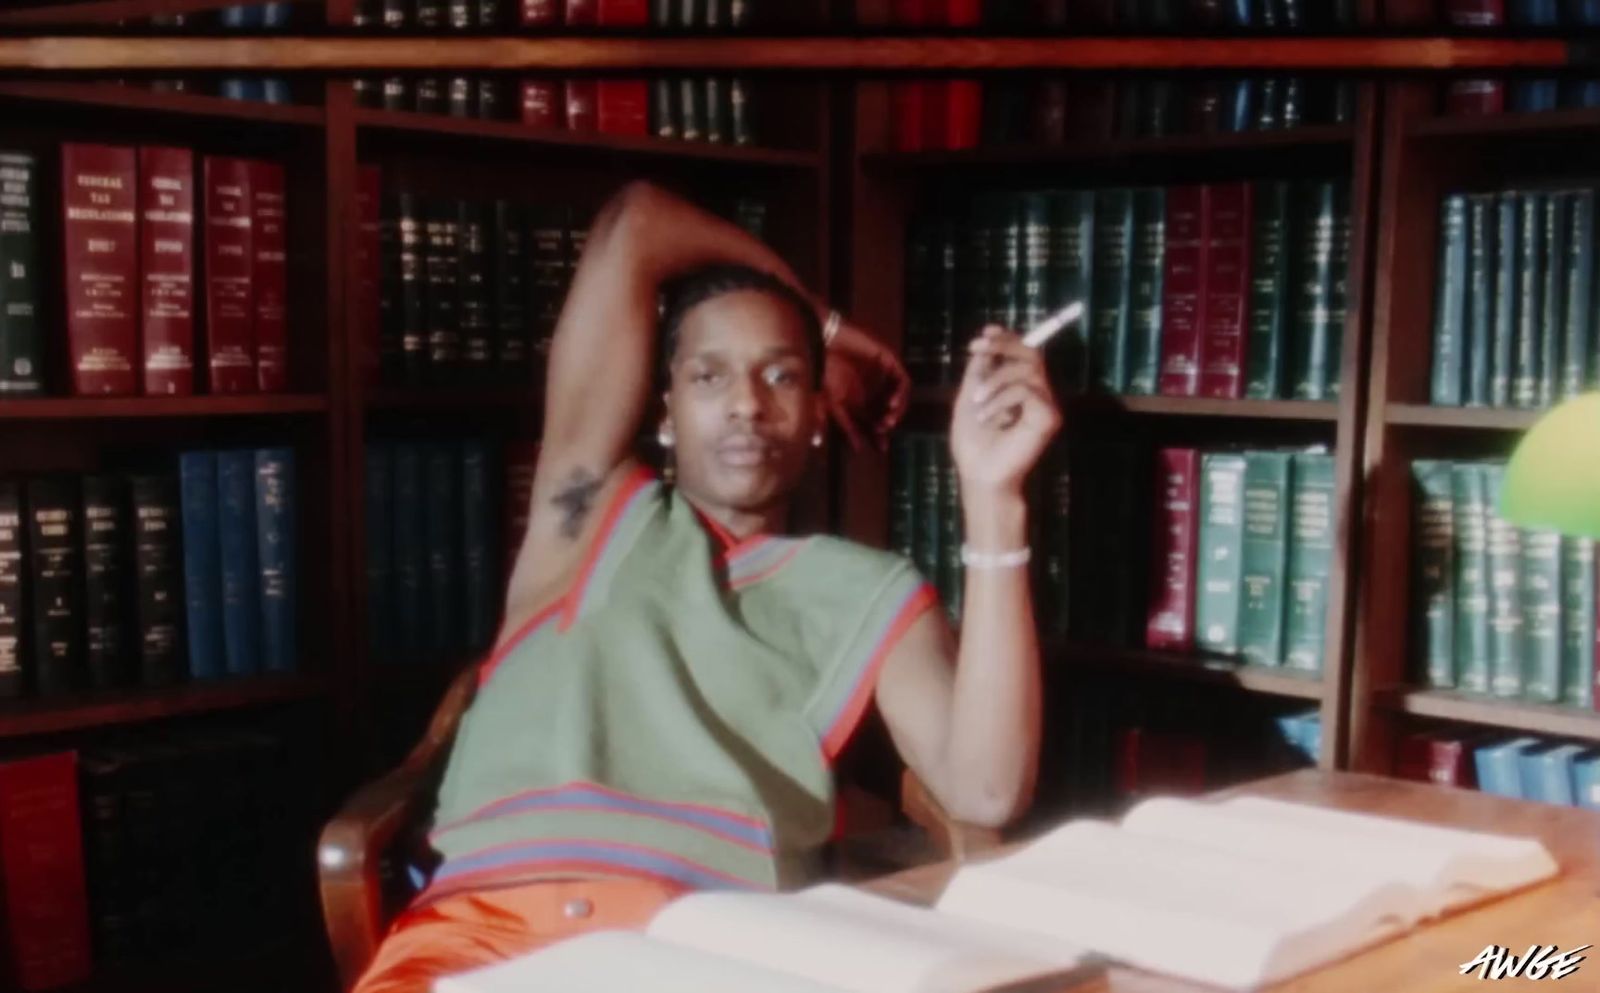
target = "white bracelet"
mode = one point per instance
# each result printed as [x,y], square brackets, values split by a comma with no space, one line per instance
[995,560]
[830,327]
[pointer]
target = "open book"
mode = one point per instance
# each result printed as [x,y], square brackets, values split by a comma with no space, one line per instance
[1240,893]
[828,939]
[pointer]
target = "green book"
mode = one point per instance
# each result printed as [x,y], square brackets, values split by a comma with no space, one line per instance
[1113,276]
[1071,278]
[903,497]
[1034,303]
[1339,294]
[1310,560]
[1450,302]
[974,245]
[1264,556]
[1312,275]
[1541,616]
[1553,318]
[927,533]
[1472,577]
[948,300]
[1144,291]
[1480,313]
[1005,289]
[1505,600]
[1530,300]
[950,568]
[1577,622]
[1221,552]
[920,336]
[1507,299]
[1056,530]
[1433,596]
[21,333]
[1579,312]
[1269,280]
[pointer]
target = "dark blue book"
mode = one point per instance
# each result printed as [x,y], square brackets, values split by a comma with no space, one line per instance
[240,88]
[240,18]
[274,16]
[410,558]
[1533,13]
[480,563]
[1578,93]
[277,541]
[1547,773]
[1582,13]
[241,561]
[1235,105]
[1533,96]
[275,89]
[202,563]
[380,541]
[442,535]
[1586,779]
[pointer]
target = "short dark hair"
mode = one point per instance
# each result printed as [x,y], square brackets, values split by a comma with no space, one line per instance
[684,293]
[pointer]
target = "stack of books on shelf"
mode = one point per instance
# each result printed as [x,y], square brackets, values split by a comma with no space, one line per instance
[1514,322]
[1265,16]
[434,16]
[1527,767]
[128,233]
[1493,15]
[1519,95]
[1228,290]
[110,581]
[1497,609]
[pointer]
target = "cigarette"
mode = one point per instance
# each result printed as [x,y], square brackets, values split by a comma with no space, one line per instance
[1052,325]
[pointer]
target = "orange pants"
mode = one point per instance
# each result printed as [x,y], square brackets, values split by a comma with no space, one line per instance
[462,932]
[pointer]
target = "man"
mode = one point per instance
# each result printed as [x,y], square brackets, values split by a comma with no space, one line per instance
[675,676]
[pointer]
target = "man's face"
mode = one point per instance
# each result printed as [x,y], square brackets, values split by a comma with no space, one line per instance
[741,407]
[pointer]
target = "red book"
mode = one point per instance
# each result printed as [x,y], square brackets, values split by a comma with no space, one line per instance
[1159,762]
[1182,294]
[959,13]
[1431,757]
[906,101]
[909,13]
[1475,96]
[269,241]
[1475,13]
[622,106]
[520,459]
[230,267]
[583,13]
[166,249]
[952,113]
[623,13]
[45,901]
[100,202]
[542,104]
[1226,285]
[541,13]
[1169,623]
[582,96]
[369,266]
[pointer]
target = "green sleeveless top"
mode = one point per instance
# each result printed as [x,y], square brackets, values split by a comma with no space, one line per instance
[676,714]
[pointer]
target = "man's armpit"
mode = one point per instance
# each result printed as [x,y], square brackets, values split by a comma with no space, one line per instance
[575,499]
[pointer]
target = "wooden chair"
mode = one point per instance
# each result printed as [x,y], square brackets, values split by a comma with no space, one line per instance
[362,853]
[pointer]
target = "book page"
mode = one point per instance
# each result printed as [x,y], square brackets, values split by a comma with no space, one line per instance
[1178,908]
[1473,863]
[617,961]
[854,942]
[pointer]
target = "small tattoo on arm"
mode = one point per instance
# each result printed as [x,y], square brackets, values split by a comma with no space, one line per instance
[576,499]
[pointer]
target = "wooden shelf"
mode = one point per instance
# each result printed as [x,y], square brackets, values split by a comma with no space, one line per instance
[1536,718]
[1209,145]
[122,97]
[1163,406]
[421,398]
[133,706]
[1464,418]
[403,122]
[1488,126]
[97,408]
[1256,679]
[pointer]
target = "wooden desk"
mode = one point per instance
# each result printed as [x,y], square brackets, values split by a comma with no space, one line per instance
[1563,912]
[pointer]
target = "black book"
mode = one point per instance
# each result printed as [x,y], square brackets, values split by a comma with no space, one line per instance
[404,331]
[429,15]
[462,100]
[11,604]
[430,95]
[396,93]
[158,567]
[105,573]
[477,343]
[509,289]
[21,333]
[57,575]
[441,266]
[491,99]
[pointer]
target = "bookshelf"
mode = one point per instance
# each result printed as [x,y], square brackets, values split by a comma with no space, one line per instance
[884,189]
[1428,154]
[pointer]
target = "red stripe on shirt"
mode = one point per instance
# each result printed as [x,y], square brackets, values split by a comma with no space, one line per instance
[641,477]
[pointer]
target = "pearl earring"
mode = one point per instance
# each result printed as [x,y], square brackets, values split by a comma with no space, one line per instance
[664,437]
[816,440]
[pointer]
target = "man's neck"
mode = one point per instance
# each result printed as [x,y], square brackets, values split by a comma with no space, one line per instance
[742,523]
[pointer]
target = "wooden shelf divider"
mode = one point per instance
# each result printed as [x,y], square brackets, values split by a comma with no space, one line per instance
[1538,718]
[137,705]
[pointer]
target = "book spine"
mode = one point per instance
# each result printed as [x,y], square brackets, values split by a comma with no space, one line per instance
[1055,526]
[379,534]
[100,231]
[520,459]
[269,245]
[166,241]
[460,15]
[1226,285]
[1472,577]
[441,236]
[1530,299]
[21,328]
[1269,279]
[1146,290]
[477,344]
[1552,317]
[541,13]
[1170,619]
[691,110]
[1339,291]
[105,572]
[487,14]
[45,900]
[929,529]
[429,15]
[440,523]
[510,290]
[1505,580]
[1310,560]
[230,284]
[1480,304]
[409,335]
[582,13]
[623,13]
[202,563]
[1072,225]
[1541,616]
[1183,291]
[1579,315]
[479,567]
[622,106]
[902,499]
[921,281]
[1433,529]
[1005,272]
[12,648]
[663,110]
[370,270]
[951,571]
[945,323]
[580,96]
[158,563]
[239,545]
[719,125]
[1313,288]
[54,546]
[1221,548]
[1577,622]
[549,246]
[1507,287]
[1264,557]
[276,543]
[410,558]
[1112,292]
[542,103]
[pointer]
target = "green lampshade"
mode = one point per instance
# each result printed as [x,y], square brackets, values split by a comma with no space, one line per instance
[1553,479]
